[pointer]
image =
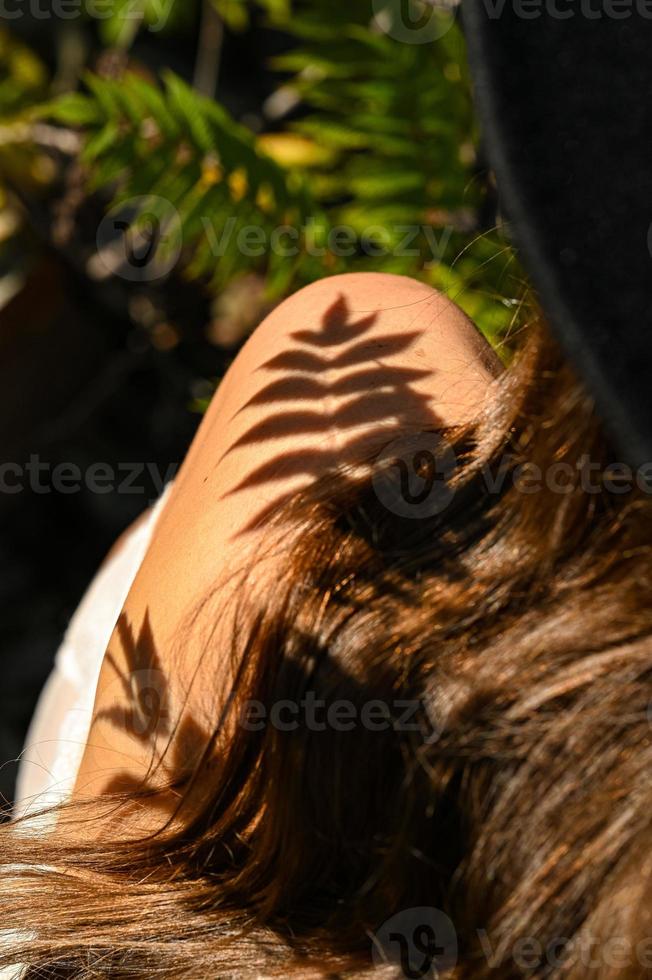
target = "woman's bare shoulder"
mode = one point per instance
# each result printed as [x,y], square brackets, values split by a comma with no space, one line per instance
[329,370]
[384,315]
[328,375]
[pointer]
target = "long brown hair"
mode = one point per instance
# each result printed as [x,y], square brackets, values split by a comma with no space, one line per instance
[501,782]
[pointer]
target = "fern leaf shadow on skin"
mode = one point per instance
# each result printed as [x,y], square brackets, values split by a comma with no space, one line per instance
[141,657]
[373,392]
[145,713]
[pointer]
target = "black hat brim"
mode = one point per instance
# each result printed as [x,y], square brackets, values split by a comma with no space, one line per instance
[565,104]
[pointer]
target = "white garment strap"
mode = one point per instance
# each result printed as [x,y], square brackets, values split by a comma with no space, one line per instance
[59,730]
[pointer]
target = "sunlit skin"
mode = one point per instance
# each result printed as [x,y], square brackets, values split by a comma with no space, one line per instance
[329,374]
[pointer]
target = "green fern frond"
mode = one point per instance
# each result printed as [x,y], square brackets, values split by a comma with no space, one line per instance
[176,146]
[236,14]
[23,76]
[385,146]
[120,22]
[396,125]
[23,81]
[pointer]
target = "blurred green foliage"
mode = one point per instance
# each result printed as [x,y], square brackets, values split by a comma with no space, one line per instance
[369,133]
[22,75]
